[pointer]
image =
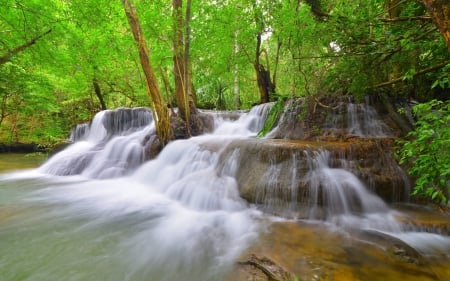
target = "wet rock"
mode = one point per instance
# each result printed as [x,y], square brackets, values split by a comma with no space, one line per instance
[424,219]
[275,172]
[254,268]
[393,247]
[314,252]
[201,123]
[337,118]
[152,147]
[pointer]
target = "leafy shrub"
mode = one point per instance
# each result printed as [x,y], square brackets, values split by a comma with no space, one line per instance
[428,151]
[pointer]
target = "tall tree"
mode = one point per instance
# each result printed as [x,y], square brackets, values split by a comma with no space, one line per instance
[179,60]
[264,81]
[159,109]
[184,90]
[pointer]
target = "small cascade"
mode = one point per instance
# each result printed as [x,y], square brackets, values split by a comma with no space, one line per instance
[364,121]
[303,119]
[277,190]
[336,191]
[305,186]
[79,132]
[186,171]
[248,124]
[112,145]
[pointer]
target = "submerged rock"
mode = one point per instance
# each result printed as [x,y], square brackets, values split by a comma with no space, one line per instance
[256,268]
[314,252]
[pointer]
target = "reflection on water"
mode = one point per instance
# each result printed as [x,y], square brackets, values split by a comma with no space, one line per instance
[18,161]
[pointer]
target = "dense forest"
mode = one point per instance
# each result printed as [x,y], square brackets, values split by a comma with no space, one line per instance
[63,61]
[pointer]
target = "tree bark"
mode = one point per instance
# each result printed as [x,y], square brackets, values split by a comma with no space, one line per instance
[265,85]
[439,11]
[236,88]
[159,108]
[190,90]
[179,61]
[98,93]
[7,57]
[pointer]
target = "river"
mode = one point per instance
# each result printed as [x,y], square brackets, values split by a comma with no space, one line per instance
[98,211]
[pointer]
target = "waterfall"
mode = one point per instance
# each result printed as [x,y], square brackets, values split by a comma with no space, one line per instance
[248,124]
[180,216]
[112,145]
[176,217]
[337,190]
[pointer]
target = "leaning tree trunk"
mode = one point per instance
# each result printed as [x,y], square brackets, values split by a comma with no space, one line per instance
[159,109]
[439,11]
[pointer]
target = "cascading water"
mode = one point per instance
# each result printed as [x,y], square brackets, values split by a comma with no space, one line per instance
[111,146]
[363,121]
[177,217]
[337,190]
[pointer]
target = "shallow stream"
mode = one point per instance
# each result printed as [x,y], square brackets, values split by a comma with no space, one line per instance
[97,211]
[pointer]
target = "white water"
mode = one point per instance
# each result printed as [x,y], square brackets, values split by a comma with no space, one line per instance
[177,217]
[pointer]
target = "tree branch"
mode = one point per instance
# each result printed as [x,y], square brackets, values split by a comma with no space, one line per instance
[418,73]
[4,59]
[423,18]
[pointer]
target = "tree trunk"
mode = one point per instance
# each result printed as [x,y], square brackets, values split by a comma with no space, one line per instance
[3,112]
[265,86]
[190,91]
[184,87]
[236,88]
[179,61]
[159,108]
[439,11]
[98,93]
[277,62]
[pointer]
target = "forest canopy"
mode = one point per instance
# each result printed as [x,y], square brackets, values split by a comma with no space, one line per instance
[63,61]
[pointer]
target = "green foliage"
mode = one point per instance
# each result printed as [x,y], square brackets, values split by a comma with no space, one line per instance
[384,42]
[428,151]
[443,79]
[350,50]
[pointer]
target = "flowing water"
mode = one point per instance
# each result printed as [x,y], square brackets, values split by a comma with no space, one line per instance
[98,211]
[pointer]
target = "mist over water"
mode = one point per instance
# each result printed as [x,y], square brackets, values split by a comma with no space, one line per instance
[90,214]
[97,211]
